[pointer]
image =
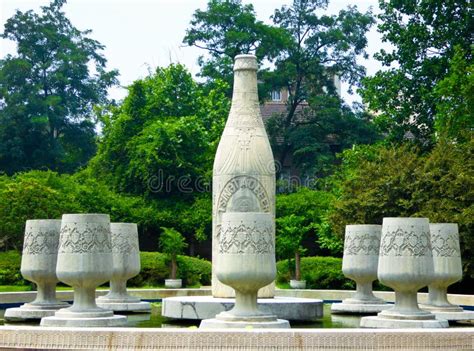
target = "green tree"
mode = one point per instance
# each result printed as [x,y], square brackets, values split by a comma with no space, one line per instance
[307,50]
[172,243]
[389,181]
[423,35]
[455,99]
[48,90]
[290,232]
[226,29]
[162,139]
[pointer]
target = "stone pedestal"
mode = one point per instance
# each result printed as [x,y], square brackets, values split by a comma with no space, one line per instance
[84,262]
[126,265]
[207,307]
[38,264]
[405,265]
[359,263]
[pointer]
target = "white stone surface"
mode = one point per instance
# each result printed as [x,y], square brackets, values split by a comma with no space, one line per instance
[243,171]
[360,261]
[297,284]
[141,306]
[19,314]
[235,339]
[405,265]
[173,283]
[391,323]
[84,262]
[112,321]
[463,315]
[447,266]
[356,308]
[220,324]
[126,265]
[205,307]
[38,264]
[243,215]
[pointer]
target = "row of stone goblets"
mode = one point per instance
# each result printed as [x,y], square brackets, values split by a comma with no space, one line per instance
[83,251]
[405,254]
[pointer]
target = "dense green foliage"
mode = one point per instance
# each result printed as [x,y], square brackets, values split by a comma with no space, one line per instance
[154,270]
[46,194]
[307,51]
[319,273]
[161,141]
[47,92]
[423,36]
[378,181]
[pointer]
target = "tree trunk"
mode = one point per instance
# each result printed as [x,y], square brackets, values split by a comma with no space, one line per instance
[174,268]
[297,266]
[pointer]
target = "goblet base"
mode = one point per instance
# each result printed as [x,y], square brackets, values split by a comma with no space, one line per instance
[455,316]
[112,321]
[355,308]
[124,306]
[392,323]
[215,323]
[229,317]
[31,311]
[435,309]
[416,314]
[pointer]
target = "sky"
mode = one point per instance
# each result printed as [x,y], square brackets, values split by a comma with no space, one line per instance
[140,35]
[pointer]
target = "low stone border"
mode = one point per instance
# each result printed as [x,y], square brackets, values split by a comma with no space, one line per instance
[40,338]
[158,294]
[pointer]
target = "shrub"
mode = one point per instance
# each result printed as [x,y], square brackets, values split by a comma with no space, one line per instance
[319,273]
[154,270]
[10,263]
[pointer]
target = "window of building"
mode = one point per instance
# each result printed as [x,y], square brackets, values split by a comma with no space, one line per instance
[276,95]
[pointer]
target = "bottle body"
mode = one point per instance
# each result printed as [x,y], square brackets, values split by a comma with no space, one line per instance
[243,173]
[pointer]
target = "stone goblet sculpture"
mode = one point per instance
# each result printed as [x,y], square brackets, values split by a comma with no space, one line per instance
[84,262]
[38,264]
[359,263]
[405,265]
[126,265]
[447,270]
[246,262]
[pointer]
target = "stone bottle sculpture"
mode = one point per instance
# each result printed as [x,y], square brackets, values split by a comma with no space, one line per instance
[359,263]
[38,264]
[244,171]
[126,265]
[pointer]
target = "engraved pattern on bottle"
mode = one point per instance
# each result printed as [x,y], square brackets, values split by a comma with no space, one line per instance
[244,239]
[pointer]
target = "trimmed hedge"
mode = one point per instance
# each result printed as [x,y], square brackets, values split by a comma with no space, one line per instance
[319,273]
[155,268]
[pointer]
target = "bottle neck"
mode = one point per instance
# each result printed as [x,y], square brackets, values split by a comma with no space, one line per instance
[245,109]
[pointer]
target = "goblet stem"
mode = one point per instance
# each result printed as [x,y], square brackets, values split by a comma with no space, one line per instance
[84,299]
[406,301]
[364,291]
[438,296]
[245,304]
[46,293]
[118,287]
